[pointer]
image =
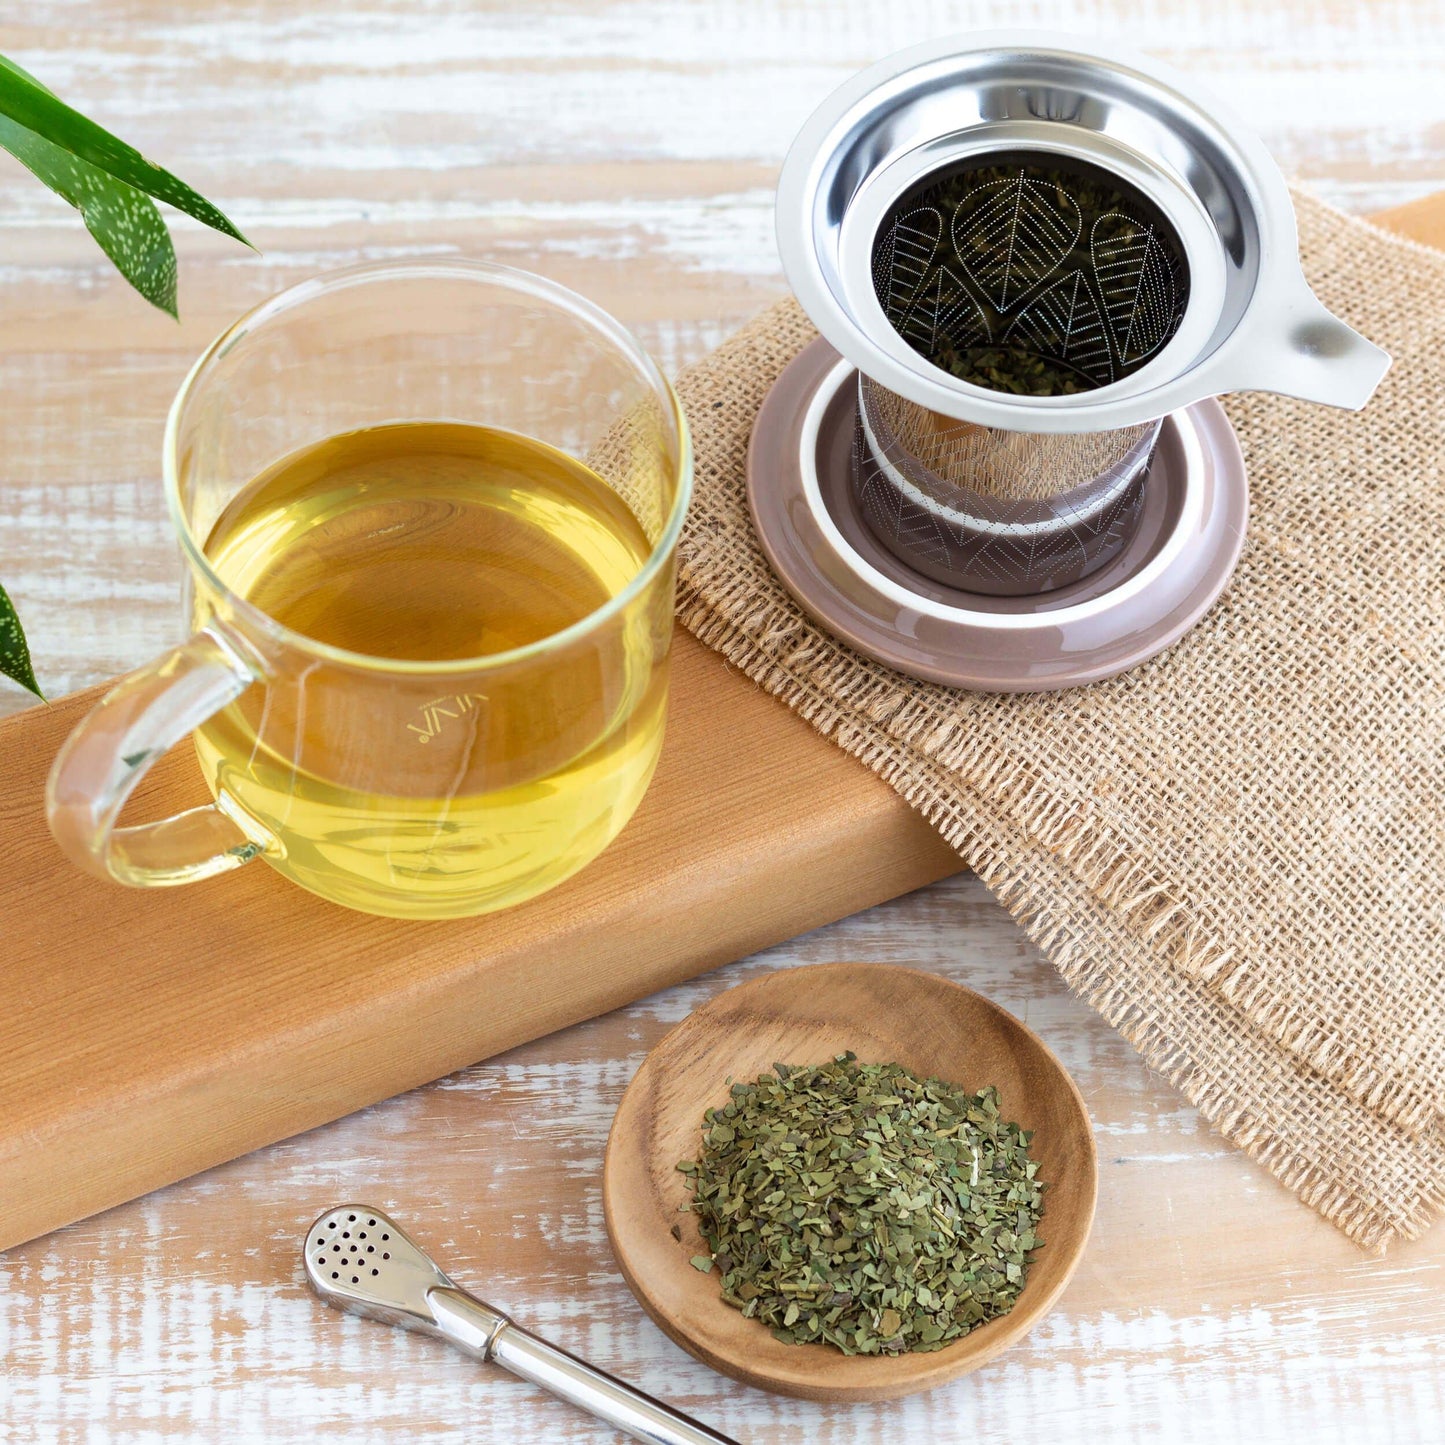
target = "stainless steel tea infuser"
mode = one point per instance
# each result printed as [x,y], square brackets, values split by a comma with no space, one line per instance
[1247,320]
[359,1259]
[1083,212]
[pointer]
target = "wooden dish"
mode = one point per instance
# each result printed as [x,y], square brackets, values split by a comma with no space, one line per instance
[805,1016]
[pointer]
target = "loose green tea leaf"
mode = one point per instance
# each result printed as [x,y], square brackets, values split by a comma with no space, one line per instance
[14,651]
[1032,279]
[861,1205]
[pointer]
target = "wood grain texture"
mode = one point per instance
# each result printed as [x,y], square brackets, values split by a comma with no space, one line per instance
[1209,1305]
[153,1033]
[807,1016]
[627,149]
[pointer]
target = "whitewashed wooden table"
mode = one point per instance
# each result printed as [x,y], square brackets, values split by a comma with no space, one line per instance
[628,150]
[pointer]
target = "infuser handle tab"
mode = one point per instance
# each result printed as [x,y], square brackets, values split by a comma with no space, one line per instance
[480,1330]
[1299,348]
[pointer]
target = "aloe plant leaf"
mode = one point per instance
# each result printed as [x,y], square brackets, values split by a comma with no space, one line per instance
[14,650]
[125,222]
[111,184]
[31,105]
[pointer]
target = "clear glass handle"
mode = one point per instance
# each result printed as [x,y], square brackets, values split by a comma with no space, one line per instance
[135,723]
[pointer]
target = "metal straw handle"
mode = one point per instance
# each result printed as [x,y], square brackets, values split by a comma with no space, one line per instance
[480,1330]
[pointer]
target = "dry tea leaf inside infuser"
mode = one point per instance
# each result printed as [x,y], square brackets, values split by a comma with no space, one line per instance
[1021,274]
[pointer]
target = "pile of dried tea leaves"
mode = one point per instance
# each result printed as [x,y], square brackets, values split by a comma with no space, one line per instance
[864,1206]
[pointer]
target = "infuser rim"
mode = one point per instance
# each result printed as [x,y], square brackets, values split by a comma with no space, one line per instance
[877,196]
[839,133]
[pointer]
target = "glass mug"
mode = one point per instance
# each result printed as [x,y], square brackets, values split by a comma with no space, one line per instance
[413,692]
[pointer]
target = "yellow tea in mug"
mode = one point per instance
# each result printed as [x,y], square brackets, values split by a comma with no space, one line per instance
[408,789]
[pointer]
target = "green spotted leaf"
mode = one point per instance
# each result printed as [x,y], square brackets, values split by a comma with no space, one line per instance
[34,108]
[111,184]
[14,650]
[123,220]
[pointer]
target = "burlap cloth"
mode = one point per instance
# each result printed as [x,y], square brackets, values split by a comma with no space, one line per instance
[1234,852]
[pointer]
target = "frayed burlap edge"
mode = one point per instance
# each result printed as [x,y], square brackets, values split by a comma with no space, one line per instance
[1360,1207]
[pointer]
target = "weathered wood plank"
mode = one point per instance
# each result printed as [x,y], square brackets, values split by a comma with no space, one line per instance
[1210,1301]
[627,149]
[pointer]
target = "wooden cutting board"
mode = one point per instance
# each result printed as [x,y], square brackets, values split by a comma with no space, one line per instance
[149,1035]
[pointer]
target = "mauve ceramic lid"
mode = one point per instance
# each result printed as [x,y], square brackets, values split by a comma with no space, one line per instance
[1176,564]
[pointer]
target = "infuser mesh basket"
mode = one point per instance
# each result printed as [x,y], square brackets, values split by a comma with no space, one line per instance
[1030,274]
[1038,276]
[1011,466]
[1003,541]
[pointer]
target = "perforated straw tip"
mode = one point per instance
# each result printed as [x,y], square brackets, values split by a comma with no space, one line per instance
[357,1257]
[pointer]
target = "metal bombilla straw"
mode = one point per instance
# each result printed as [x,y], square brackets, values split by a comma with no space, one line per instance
[359,1259]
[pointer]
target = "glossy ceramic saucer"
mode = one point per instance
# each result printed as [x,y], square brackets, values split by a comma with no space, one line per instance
[1184,548]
